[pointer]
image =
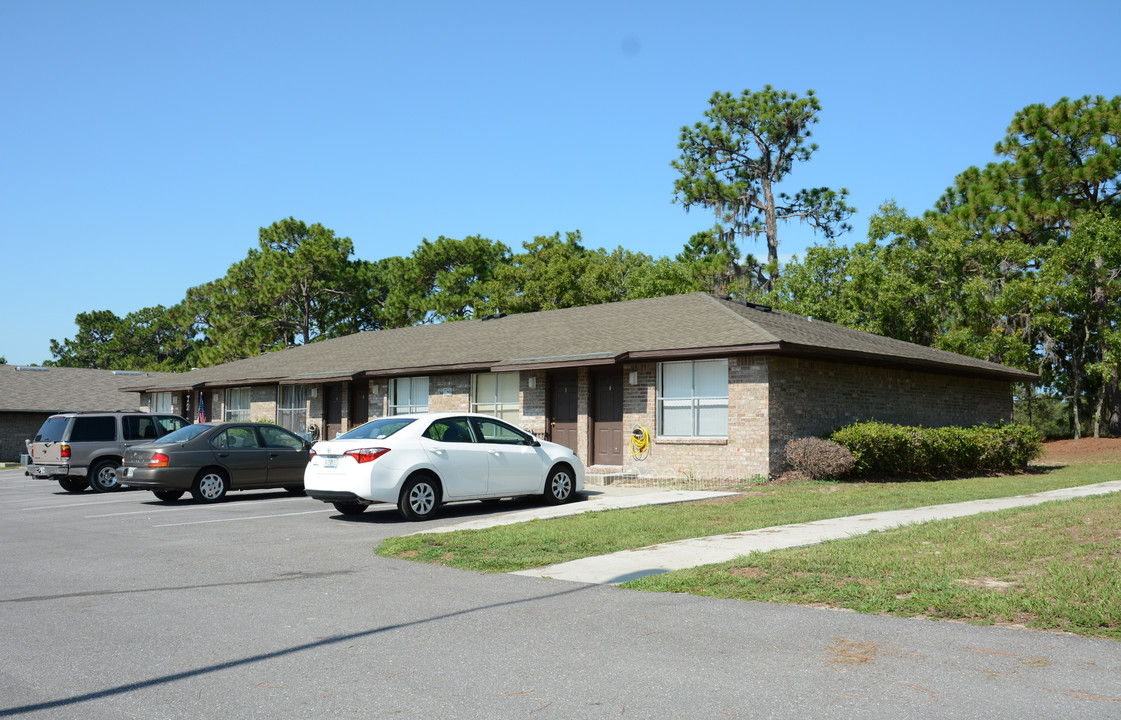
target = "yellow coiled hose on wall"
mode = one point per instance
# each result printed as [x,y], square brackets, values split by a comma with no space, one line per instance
[640,443]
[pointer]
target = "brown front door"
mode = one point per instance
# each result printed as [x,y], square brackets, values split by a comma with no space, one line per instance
[359,402]
[332,410]
[607,417]
[562,410]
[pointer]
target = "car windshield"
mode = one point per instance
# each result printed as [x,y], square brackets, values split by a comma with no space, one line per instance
[182,435]
[377,429]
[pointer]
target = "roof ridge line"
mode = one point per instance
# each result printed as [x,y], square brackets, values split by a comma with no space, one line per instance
[720,303]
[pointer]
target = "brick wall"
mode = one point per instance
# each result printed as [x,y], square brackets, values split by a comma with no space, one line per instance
[15,427]
[740,456]
[449,393]
[771,400]
[812,397]
[379,399]
[533,402]
[262,403]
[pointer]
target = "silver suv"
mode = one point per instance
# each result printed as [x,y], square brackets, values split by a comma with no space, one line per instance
[84,449]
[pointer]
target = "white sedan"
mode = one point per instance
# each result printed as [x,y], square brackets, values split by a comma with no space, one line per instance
[424,460]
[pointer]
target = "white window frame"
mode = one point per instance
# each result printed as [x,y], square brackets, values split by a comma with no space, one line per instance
[403,395]
[491,401]
[291,411]
[239,404]
[161,402]
[703,408]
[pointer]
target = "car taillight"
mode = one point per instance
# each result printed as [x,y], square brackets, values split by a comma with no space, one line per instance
[64,451]
[158,460]
[365,455]
[310,455]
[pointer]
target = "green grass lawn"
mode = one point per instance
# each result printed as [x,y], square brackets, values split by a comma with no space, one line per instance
[1052,566]
[547,542]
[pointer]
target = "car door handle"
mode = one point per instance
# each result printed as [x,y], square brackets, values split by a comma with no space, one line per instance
[494,452]
[437,451]
[223,454]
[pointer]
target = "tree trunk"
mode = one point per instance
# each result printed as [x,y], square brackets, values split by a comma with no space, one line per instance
[1098,411]
[772,232]
[1113,405]
[1076,394]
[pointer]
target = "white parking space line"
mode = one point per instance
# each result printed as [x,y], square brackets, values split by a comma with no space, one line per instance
[84,502]
[251,517]
[182,508]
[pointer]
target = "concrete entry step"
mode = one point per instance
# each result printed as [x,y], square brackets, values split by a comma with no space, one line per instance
[602,475]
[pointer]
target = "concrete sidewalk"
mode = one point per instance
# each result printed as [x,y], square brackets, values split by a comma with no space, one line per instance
[606,497]
[630,564]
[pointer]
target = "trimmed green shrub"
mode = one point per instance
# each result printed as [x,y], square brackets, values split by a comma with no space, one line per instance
[819,459]
[882,449]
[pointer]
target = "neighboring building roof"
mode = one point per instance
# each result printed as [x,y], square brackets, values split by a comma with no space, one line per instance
[664,328]
[25,388]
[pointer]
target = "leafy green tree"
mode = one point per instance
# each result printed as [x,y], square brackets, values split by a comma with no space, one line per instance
[892,285]
[1046,413]
[297,286]
[148,339]
[552,273]
[713,259]
[442,280]
[666,276]
[734,165]
[1080,309]
[1063,164]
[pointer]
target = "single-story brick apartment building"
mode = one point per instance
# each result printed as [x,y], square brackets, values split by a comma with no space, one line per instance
[29,394]
[718,386]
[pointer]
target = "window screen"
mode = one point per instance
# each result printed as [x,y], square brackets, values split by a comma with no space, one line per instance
[291,411]
[408,395]
[497,394]
[237,404]
[693,399]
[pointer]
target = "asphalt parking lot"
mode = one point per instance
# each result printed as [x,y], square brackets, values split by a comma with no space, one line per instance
[268,605]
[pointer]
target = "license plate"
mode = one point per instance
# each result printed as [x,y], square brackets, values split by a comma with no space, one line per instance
[330,462]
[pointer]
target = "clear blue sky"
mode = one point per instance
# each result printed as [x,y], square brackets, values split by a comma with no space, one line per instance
[145,143]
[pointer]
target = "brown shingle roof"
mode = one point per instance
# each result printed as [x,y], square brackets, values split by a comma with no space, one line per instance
[655,328]
[53,389]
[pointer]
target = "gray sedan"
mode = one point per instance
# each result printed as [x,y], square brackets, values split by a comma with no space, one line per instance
[209,459]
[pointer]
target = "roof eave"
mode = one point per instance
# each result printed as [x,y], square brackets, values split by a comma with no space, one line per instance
[996,371]
[428,370]
[177,387]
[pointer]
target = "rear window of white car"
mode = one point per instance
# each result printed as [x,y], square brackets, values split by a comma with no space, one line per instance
[377,429]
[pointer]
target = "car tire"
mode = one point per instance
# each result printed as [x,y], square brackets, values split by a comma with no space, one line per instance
[103,476]
[210,486]
[73,485]
[560,487]
[347,508]
[420,498]
[168,495]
